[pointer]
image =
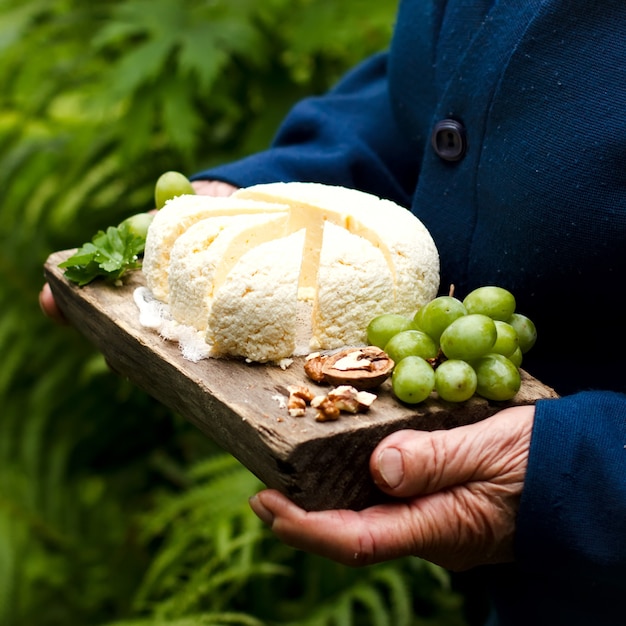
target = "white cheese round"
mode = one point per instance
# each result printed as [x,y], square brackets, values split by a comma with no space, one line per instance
[244,269]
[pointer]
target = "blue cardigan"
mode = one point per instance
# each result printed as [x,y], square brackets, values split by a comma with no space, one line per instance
[523,187]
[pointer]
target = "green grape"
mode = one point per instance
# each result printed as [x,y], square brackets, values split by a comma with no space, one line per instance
[383,327]
[497,377]
[495,302]
[138,224]
[516,358]
[455,380]
[413,380]
[469,337]
[506,341]
[169,185]
[410,343]
[526,331]
[435,316]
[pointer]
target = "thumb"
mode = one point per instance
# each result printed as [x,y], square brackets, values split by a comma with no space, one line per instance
[410,463]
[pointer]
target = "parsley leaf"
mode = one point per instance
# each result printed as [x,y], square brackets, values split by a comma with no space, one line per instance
[109,255]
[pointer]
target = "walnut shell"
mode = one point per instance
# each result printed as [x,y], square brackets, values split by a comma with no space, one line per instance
[363,368]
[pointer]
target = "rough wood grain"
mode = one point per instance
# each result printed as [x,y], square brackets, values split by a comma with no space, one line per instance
[242,406]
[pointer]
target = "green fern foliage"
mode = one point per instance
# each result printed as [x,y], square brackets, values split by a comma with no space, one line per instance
[214,555]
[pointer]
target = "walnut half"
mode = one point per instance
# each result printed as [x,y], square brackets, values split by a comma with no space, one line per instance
[364,368]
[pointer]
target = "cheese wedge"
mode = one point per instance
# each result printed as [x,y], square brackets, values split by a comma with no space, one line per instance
[204,254]
[174,219]
[254,312]
[354,284]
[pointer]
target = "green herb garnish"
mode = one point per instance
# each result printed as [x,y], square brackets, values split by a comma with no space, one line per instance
[109,254]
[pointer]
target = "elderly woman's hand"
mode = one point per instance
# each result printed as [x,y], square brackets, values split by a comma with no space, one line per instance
[457,491]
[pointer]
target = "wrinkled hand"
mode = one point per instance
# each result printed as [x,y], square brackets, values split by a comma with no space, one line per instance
[458,494]
[202,187]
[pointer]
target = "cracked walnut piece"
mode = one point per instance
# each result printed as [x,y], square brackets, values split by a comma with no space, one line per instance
[344,398]
[299,397]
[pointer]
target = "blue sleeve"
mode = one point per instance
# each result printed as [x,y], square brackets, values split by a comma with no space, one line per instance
[572,518]
[347,137]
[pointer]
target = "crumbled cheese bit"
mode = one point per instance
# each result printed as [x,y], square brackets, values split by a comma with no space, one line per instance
[152,312]
[281,400]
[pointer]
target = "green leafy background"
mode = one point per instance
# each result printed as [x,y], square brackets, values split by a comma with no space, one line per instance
[113,510]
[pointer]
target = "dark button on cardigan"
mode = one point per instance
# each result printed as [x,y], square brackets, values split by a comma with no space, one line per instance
[449,140]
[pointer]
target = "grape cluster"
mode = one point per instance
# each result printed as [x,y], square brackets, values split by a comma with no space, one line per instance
[456,348]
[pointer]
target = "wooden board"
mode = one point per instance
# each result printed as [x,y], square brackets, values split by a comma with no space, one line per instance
[241,406]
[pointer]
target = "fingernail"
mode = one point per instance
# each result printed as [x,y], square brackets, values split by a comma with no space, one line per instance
[263,513]
[391,467]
